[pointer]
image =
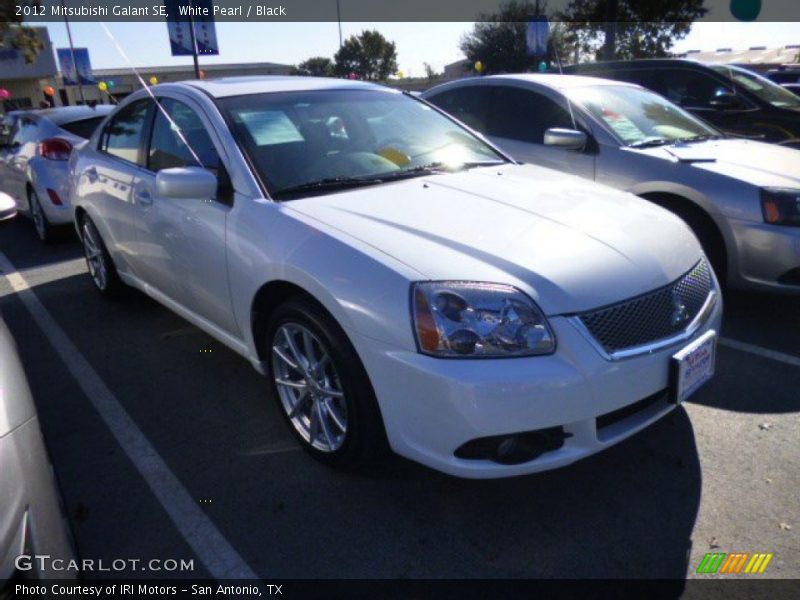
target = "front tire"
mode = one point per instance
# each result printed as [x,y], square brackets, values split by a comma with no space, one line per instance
[101,268]
[321,387]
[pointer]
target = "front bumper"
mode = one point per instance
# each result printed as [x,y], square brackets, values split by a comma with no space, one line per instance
[431,406]
[768,257]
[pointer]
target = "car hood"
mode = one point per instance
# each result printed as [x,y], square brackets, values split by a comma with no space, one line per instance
[571,244]
[756,163]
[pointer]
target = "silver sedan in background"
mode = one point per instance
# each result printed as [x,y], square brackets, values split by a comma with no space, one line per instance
[34,149]
[31,518]
[741,197]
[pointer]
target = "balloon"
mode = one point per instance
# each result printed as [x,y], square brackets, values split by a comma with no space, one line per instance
[4,94]
[102,86]
[110,83]
[352,75]
[745,10]
[478,66]
[400,75]
[153,80]
[49,90]
[542,67]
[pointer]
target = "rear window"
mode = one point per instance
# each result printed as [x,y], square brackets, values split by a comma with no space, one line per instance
[83,128]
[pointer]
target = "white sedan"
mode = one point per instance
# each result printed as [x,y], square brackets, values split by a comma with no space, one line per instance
[401,282]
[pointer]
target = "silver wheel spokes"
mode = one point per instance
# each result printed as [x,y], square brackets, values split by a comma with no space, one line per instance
[309,387]
[94,257]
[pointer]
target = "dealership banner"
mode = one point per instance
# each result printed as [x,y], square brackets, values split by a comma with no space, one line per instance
[360,10]
[183,15]
[76,68]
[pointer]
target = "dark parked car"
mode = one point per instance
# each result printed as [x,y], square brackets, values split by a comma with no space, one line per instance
[735,100]
[784,75]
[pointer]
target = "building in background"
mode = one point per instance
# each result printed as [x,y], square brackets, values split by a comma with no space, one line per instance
[757,58]
[26,81]
[123,81]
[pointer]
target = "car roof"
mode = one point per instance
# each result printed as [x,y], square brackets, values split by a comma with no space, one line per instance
[637,62]
[241,86]
[553,81]
[66,114]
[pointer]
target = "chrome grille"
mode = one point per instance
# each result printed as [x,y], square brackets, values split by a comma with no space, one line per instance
[654,316]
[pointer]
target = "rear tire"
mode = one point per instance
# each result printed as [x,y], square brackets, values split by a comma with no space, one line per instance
[44,230]
[321,386]
[101,268]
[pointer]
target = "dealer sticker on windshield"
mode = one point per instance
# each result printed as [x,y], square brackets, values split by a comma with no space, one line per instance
[693,366]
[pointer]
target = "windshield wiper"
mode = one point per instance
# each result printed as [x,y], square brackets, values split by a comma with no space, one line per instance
[650,142]
[438,167]
[699,138]
[329,183]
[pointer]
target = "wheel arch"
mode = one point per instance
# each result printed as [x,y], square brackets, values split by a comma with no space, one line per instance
[695,212]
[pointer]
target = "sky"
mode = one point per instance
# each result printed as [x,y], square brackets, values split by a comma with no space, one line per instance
[146,44]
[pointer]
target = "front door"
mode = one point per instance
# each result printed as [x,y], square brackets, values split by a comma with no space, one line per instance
[183,240]
[517,121]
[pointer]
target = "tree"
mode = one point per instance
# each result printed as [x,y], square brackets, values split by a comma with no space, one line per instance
[643,29]
[369,55]
[430,73]
[317,66]
[499,41]
[13,34]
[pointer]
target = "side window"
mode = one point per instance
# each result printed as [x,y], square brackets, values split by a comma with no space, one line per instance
[123,135]
[184,142]
[524,115]
[470,105]
[24,132]
[690,89]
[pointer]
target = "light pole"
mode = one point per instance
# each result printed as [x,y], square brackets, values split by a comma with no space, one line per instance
[339,18]
[72,53]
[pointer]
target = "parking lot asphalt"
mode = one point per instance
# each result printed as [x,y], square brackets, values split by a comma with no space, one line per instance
[720,474]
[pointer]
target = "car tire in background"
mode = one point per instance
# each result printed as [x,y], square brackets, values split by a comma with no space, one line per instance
[102,270]
[44,230]
[305,344]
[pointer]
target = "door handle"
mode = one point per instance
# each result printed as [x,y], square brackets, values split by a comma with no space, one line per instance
[143,196]
[91,174]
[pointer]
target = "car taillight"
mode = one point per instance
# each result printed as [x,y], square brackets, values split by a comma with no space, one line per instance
[55,149]
[54,197]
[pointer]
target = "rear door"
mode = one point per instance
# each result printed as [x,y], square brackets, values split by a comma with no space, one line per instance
[105,177]
[182,241]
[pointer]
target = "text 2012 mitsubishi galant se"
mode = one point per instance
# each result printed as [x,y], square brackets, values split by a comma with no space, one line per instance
[401,282]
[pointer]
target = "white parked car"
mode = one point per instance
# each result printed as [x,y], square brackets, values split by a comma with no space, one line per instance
[397,278]
[741,197]
[34,148]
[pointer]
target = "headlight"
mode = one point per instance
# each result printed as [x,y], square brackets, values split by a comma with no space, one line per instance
[478,320]
[781,206]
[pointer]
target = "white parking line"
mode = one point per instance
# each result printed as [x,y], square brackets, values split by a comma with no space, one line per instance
[211,547]
[759,351]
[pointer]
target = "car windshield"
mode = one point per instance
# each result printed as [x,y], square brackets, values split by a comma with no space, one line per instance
[639,117]
[767,90]
[302,142]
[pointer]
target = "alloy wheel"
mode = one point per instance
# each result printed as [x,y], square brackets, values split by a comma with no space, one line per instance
[309,387]
[95,257]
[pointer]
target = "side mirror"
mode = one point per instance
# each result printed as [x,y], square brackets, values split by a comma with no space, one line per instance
[727,101]
[566,139]
[8,208]
[193,183]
